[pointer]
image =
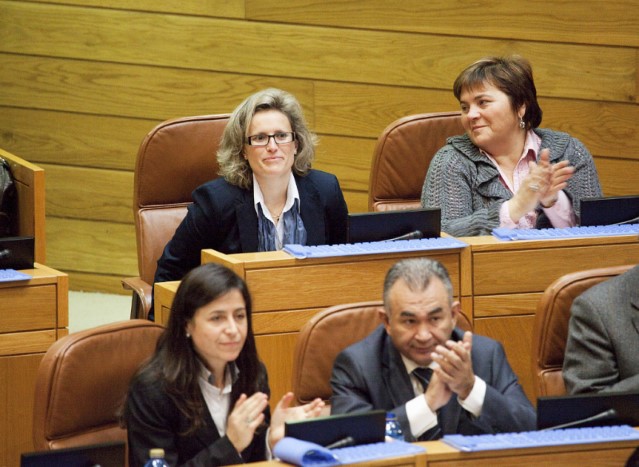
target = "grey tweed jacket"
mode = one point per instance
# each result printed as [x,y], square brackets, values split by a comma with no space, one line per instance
[465,184]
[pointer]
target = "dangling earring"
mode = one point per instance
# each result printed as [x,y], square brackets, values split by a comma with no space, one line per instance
[188,336]
[522,124]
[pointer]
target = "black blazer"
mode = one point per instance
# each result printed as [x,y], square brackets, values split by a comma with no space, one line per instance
[153,421]
[223,217]
[371,375]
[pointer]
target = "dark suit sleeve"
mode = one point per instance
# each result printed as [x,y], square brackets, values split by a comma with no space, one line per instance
[153,421]
[210,222]
[353,391]
[350,391]
[506,407]
[183,251]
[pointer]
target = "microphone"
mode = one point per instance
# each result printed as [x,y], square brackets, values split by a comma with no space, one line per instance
[341,443]
[415,234]
[606,415]
[634,220]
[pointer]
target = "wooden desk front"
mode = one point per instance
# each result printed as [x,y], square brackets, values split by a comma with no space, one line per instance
[29,183]
[439,454]
[508,279]
[499,284]
[33,315]
[287,292]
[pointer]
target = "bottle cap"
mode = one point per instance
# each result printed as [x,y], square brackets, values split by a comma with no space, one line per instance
[156,452]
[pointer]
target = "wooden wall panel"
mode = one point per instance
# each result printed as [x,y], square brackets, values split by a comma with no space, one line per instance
[91,246]
[588,21]
[74,139]
[88,193]
[594,72]
[618,177]
[348,158]
[83,81]
[111,89]
[217,8]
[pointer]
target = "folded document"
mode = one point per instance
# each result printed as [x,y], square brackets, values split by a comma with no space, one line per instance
[306,454]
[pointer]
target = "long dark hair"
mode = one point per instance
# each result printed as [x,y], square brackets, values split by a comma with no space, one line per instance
[175,363]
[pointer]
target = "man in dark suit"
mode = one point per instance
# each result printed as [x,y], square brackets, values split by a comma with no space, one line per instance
[603,337]
[468,386]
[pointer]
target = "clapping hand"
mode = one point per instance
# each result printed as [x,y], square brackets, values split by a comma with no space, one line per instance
[246,416]
[454,365]
[285,413]
[541,186]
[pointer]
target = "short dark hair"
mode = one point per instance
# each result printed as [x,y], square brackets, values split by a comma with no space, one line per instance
[417,274]
[511,75]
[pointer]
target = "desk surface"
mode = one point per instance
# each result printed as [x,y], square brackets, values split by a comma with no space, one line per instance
[440,454]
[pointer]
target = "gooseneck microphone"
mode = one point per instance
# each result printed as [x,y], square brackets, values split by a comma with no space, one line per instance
[606,415]
[342,443]
[634,220]
[415,234]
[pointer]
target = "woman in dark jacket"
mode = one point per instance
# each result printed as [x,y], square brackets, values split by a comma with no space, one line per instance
[203,396]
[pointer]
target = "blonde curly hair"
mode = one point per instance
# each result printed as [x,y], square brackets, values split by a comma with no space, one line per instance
[230,155]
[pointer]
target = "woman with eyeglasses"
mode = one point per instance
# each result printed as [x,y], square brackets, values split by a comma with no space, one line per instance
[203,395]
[506,171]
[267,196]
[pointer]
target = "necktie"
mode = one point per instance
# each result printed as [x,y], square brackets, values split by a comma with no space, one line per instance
[423,375]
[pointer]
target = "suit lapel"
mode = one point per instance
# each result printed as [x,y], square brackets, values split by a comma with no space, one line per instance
[631,290]
[208,433]
[247,222]
[395,377]
[311,211]
[634,301]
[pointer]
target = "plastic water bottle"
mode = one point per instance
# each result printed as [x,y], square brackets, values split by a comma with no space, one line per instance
[393,430]
[156,458]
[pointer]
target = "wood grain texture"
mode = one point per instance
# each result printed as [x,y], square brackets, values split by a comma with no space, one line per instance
[77,245]
[515,333]
[216,8]
[74,139]
[100,88]
[498,272]
[590,21]
[423,60]
[84,80]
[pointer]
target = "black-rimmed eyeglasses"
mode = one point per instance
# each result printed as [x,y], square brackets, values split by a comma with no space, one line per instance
[263,140]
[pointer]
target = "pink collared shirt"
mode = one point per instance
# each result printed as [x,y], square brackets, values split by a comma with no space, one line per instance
[561,214]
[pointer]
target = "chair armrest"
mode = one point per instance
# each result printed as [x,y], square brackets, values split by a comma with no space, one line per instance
[142,296]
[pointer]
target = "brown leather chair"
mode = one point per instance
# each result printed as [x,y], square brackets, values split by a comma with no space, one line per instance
[551,326]
[83,380]
[323,337]
[174,158]
[402,156]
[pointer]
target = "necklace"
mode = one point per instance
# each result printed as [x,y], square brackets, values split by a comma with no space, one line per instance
[277,217]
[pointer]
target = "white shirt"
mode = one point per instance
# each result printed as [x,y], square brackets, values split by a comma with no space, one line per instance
[292,194]
[217,400]
[421,418]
